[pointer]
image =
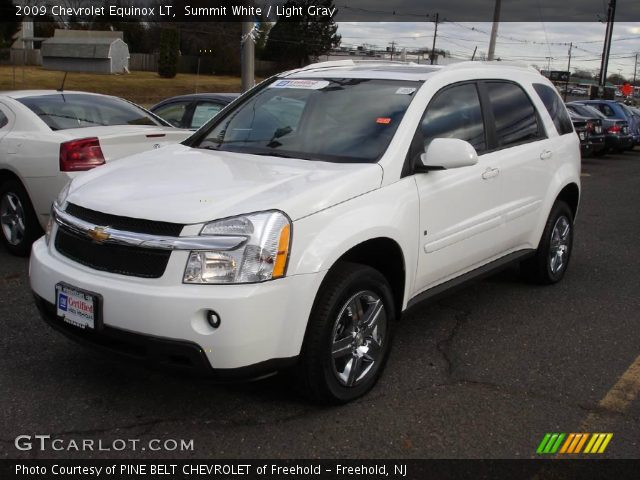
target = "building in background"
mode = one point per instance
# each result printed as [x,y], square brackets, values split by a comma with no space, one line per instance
[86,51]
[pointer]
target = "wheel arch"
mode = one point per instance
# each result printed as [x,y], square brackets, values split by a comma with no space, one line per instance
[6,174]
[384,255]
[570,194]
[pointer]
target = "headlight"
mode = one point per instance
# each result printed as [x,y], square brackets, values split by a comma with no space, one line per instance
[64,193]
[262,257]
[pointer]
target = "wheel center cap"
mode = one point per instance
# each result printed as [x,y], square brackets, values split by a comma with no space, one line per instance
[359,339]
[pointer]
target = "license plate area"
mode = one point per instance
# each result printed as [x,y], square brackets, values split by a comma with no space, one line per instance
[78,307]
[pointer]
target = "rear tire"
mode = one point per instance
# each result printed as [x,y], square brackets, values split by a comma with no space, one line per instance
[551,259]
[349,335]
[19,226]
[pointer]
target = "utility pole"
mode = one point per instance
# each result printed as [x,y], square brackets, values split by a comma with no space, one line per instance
[566,85]
[635,67]
[494,30]
[474,53]
[611,13]
[549,65]
[248,61]
[393,48]
[435,34]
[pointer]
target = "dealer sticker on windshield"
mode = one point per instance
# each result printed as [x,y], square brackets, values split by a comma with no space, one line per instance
[405,91]
[303,84]
[75,306]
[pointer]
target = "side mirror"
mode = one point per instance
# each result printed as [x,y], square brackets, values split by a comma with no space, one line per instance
[447,153]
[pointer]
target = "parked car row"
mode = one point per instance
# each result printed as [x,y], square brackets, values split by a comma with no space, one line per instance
[605,126]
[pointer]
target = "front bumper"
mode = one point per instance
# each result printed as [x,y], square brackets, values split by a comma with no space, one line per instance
[262,324]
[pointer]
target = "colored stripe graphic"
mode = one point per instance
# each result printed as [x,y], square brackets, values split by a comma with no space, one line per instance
[581,443]
[553,443]
[598,442]
[567,443]
[543,443]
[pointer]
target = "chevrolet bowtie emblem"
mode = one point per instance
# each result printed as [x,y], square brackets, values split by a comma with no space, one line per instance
[98,234]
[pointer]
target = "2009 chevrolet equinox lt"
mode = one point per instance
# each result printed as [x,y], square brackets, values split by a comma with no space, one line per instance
[293,229]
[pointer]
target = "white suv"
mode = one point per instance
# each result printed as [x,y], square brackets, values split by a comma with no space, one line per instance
[295,228]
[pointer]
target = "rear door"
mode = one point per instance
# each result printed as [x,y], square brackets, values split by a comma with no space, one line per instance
[525,156]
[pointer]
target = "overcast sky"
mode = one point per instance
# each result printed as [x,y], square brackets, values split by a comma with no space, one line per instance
[531,42]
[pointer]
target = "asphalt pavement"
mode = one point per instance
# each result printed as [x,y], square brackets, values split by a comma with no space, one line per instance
[482,373]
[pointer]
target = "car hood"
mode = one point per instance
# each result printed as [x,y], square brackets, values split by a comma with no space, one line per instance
[185,185]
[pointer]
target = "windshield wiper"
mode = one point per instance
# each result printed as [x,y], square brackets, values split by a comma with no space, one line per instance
[280,132]
[279,154]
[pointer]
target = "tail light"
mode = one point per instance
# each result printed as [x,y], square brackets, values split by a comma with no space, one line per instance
[614,129]
[80,155]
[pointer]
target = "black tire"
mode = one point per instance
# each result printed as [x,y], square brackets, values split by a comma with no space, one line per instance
[30,230]
[318,371]
[542,268]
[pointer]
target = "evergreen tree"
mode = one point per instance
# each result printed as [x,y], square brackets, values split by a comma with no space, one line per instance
[298,40]
[10,22]
[169,52]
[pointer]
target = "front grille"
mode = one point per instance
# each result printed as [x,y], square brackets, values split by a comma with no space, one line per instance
[127,224]
[121,259]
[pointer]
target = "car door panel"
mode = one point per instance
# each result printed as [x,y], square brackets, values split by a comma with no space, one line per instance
[525,156]
[460,215]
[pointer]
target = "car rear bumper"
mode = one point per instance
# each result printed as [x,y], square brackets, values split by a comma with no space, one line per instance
[619,141]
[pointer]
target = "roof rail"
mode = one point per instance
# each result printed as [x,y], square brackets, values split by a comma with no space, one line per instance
[492,63]
[349,63]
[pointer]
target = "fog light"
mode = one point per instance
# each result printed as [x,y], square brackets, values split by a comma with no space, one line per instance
[213,318]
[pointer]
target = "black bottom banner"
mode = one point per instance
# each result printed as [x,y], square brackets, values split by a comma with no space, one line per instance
[319,469]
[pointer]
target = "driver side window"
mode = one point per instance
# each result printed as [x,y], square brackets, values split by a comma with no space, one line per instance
[455,113]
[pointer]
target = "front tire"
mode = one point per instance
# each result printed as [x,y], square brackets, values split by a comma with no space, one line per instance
[349,334]
[551,259]
[19,227]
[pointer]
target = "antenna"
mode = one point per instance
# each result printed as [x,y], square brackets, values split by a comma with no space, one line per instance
[61,89]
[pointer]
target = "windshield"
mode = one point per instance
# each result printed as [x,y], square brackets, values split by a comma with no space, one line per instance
[335,120]
[62,111]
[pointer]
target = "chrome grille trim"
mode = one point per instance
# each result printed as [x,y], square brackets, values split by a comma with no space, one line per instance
[134,239]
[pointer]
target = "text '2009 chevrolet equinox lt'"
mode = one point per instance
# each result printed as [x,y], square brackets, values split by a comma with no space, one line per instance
[293,229]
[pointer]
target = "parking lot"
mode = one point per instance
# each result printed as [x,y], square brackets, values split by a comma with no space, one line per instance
[482,373]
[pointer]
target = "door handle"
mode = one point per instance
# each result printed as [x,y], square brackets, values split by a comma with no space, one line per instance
[546,154]
[490,173]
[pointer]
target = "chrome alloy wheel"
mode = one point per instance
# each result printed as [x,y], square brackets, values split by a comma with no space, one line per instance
[12,218]
[358,336]
[560,244]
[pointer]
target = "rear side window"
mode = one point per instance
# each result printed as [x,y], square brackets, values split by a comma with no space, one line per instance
[204,112]
[4,121]
[515,116]
[606,109]
[172,112]
[455,113]
[554,106]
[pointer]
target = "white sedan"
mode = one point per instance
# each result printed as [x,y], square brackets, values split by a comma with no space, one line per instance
[48,137]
